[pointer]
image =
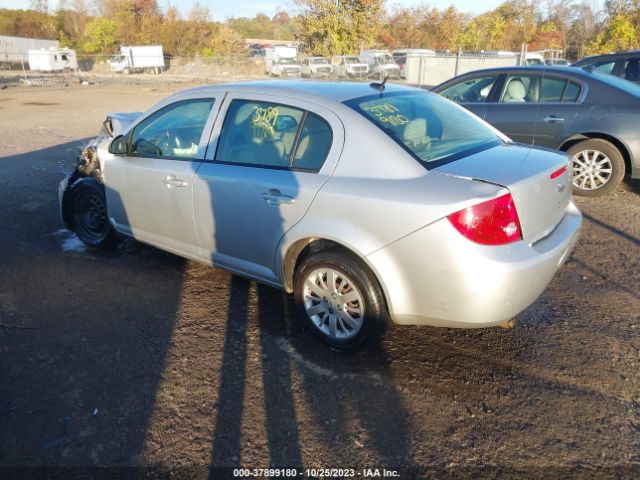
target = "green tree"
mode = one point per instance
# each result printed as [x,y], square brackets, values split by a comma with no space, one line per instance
[331,27]
[618,34]
[100,36]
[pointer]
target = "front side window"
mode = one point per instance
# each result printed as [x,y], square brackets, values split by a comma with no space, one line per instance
[521,89]
[427,126]
[273,135]
[173,131]
[471,90]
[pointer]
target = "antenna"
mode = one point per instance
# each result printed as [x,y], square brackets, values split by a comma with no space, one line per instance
[379,86]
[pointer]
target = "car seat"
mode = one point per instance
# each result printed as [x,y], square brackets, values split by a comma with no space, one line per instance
[314,144]
[515,92]
[415,135]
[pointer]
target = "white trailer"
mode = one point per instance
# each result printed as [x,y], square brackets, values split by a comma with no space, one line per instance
[280,60]
[139,58]
[53,60]
[16,49]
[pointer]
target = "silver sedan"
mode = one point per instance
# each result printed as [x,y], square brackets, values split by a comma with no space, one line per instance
[370,203]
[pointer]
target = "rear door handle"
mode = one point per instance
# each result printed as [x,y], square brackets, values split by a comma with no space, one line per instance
[275,197]
[553,119]
[172,182]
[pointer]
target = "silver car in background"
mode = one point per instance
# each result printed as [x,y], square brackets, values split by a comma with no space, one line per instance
[368,203]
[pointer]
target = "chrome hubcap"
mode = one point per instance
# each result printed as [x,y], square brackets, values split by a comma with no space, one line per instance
[333,303]
[591,169]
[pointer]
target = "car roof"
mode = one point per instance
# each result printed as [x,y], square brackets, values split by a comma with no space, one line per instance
[315,91]
[605,56]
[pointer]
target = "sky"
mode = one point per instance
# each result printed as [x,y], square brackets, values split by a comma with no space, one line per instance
[223,9]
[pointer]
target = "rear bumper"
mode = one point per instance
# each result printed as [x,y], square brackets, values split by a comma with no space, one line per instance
[437,277]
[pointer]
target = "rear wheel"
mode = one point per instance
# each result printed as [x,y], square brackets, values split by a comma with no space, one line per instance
[339,298]
[598,167]
[90,220]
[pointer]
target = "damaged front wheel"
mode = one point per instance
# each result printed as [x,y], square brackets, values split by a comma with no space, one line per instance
[90,219]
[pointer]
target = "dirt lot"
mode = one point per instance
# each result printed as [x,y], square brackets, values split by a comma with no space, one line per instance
[134,357]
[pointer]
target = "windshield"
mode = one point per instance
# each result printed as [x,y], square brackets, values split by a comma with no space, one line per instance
[534,61]
[317,61]
[351,60]
[287,61]
[385,59]
[432,129]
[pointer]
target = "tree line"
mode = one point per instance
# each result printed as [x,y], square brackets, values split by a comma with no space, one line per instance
[329,27]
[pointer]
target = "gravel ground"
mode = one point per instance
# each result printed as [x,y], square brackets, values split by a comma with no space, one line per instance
[134,357]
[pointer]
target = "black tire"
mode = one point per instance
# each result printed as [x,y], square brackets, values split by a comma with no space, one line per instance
[89,215]
[374,318]
[586,149]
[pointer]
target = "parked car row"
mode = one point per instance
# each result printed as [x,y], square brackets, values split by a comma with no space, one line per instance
[281,61]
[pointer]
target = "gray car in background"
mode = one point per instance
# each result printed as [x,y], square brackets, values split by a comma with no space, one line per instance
[593,117]
[368,204]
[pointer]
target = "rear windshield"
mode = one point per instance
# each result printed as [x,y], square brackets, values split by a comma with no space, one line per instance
[434,130]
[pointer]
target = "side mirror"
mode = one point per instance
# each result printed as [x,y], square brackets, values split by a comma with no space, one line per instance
[118,145]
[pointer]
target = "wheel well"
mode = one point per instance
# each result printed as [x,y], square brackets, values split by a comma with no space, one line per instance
[613,140]
[306,247]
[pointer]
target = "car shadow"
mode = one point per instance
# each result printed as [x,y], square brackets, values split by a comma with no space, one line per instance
[85,332]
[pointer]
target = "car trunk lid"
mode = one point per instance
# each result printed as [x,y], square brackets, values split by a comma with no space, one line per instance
[538,180]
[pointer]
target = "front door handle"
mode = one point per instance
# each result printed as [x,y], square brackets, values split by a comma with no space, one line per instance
[275,197]
[172,182]
[553,119]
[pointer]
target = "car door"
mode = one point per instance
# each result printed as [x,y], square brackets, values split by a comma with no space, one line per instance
[513,108]
[559,102]
[472,92]
[149,189]
[265,164]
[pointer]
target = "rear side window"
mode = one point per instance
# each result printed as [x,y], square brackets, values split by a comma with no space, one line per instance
[571,93]
[265,134]
[314,143]
[556,90]
[552,89]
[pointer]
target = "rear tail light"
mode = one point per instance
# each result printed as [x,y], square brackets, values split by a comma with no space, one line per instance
[494,222]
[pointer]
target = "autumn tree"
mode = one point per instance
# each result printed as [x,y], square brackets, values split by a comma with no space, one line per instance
[72,17]
[331,27]
[619,34]
[100,36]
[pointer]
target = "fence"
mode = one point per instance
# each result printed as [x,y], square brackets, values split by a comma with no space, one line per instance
[97,67]
[432,70]
[419,70]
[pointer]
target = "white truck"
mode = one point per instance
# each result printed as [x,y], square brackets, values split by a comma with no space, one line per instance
[53,59]
[316,67]
[381,64]
[349,66]
[280,61]
[137,59]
